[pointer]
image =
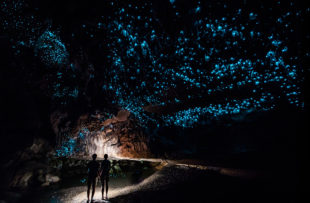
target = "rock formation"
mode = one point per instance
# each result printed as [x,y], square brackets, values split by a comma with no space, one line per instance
[118,136]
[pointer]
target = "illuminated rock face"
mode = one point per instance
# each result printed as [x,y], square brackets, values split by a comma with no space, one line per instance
[100,144]
[118,137]
[118,146]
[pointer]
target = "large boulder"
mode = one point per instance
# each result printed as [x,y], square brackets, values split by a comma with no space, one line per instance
[33,174]
[28,174]
[22,179]
[50,178]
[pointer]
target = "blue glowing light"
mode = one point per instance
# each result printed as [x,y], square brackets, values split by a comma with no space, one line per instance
[147,66]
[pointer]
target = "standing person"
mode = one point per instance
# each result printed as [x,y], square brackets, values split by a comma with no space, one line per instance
[93,169]
[104,174]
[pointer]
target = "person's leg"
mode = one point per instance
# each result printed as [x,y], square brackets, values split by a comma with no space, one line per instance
[88,188]
[102,188]
[93,189]
[107,186]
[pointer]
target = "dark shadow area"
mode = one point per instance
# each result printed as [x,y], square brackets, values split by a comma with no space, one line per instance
[192,185]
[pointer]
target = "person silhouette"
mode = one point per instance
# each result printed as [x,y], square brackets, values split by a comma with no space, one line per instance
[104,175]
[93,169]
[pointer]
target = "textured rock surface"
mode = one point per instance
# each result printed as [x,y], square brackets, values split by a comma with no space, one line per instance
[118,136]
[31,168]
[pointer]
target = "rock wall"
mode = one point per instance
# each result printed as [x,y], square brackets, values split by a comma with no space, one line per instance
[118,136]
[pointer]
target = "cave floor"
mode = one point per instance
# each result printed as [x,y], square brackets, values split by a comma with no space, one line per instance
[183,181]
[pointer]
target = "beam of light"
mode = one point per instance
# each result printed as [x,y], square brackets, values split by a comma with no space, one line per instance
[101,145]
[115,192]
[158,180]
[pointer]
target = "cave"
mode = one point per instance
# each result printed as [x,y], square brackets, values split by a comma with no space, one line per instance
[192,101]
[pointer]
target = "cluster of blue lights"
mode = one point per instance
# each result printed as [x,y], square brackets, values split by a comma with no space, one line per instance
[67,148]
[72,145]
[216,57]
[51,50]
[188,117]
[27,31]
[230,63]
[24,29]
